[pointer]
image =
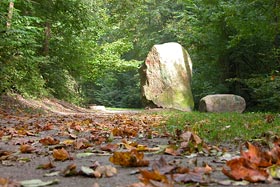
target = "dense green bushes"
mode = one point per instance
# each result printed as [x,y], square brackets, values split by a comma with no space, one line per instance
[85,51]
[115,89]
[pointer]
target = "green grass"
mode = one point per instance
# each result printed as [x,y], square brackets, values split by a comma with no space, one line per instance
[224,127]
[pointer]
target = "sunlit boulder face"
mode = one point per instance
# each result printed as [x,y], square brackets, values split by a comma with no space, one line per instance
[222,103]
[166,78]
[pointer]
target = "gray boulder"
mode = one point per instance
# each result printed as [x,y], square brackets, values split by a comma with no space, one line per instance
[222,103]
[166,78]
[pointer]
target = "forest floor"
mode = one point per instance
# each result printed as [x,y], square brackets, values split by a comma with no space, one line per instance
[70,146]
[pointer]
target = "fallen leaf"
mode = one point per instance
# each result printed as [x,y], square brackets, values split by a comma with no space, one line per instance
[82,155]
[70,170]
[109,147]
[47,127]
[162,166]
[87,171]
[52,174]
[37,183]
[107,171]
[274,171]
[46,166]
[204,170]
[172,151]
[132,158]
[26,148]
[147,176]
[49,141]
[188,177]
[61,154]
[82,143]
[4,182]
[68,142]
[242,169]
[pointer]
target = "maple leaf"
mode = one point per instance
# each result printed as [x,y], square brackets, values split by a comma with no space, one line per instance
[49,141]
[242,169]
[256,156]
[61,154]
[26,148]
[132,158]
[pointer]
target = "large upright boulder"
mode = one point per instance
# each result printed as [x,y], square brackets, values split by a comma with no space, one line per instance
[166,78]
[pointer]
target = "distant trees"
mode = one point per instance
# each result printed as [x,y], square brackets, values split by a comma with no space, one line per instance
[85,50]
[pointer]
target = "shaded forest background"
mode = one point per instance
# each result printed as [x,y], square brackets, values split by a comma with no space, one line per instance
[89,51]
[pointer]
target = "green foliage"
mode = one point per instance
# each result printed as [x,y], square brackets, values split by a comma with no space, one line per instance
[116,89]
[264,91]
[19,59]
[229,39]
[76,48]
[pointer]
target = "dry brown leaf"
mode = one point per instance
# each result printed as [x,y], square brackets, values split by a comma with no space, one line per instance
[26,148]
[147,176]
[204,170]
[61,154]
[171,151]
[49,141]
[107,171]
[47,127]
[132,159]
[82,143]
[188,177]
[46,166]
[242,169]
[2,133]
[4,182]
[109,147]
[70,170]
[162,166]
[256,156]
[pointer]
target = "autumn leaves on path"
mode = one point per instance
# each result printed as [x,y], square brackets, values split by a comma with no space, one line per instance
[128,141]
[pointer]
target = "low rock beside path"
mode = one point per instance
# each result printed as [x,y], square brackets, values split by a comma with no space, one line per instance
[222,103]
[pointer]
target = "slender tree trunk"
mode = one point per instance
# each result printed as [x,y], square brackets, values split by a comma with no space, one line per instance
[46,46]
[10,14]
[277,27]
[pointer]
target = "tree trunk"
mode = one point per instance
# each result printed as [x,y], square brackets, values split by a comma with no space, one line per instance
[46,46]
[277,27]
[10,15]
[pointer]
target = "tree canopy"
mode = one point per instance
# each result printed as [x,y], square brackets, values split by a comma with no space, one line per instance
[88,51]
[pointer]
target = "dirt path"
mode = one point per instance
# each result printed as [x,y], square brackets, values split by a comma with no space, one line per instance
[100,133]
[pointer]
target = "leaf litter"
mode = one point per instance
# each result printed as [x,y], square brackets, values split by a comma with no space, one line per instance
[128,141]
